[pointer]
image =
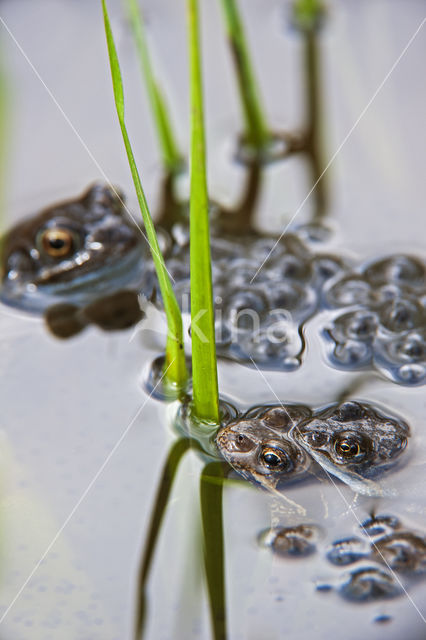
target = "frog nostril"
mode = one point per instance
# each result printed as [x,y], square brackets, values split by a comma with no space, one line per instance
[243,443]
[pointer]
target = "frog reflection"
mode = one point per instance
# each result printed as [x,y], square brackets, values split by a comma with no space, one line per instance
[259,448]
[74,252]
[353,442]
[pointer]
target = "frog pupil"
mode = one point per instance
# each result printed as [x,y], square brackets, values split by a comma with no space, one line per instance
[348,449]
[271,459]
[56,243]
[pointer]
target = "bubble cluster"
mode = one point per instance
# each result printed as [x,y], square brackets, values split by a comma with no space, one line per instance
[384,318]
[385,558]
[264,291]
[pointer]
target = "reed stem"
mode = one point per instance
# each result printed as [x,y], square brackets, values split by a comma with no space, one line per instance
[204,365]
[256,134]
[172,159]
[175,364]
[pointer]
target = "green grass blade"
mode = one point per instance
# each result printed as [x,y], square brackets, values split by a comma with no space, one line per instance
[204,366]
[211,495]
[169,148]
[256,134]
[175,355]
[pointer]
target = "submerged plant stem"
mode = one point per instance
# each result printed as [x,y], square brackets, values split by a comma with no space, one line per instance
[256,130]
[315,143]
[211,494]
[169,148]
[204,366]
[175,364]
[165,486]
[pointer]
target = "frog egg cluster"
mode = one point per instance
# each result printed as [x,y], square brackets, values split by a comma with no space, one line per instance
[291,542]
[383,324]
[264,291]
[385,559]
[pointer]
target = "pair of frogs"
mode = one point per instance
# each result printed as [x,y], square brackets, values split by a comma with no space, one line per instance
[351,441]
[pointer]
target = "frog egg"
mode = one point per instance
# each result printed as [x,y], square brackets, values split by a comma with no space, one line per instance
[402,551]
[399,315]
[241,271]
[326,267]
[267,351]
[291,267]
[414,374]
[403,358]
[347,551]
[348,291]
[379,525]
[245,307]
[290,542]
[352,354]
[288,296]
[369,583]
[273,250]
[399,269]
[356,325]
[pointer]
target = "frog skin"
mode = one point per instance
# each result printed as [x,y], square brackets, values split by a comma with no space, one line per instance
[258,446]
[353,442]
[73,252]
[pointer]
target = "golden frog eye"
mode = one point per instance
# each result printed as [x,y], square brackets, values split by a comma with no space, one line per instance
[57,243]
[348,448]
[273,458]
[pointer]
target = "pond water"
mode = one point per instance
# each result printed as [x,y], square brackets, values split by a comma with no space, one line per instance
[82,444]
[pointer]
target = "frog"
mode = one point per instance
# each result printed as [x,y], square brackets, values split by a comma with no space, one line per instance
[354,442]
[257,445]
[74,252]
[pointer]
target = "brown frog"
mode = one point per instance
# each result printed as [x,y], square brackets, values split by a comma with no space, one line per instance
[74,252]
[258,445]
[353,441]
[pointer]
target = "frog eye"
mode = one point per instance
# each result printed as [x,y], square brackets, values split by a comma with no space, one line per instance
[273,457]
[348,447]
[56,242]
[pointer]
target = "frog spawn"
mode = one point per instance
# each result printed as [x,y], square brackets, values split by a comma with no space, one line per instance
[384,325]
[351,441]
[291,542]
[387,559]
[260,309]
